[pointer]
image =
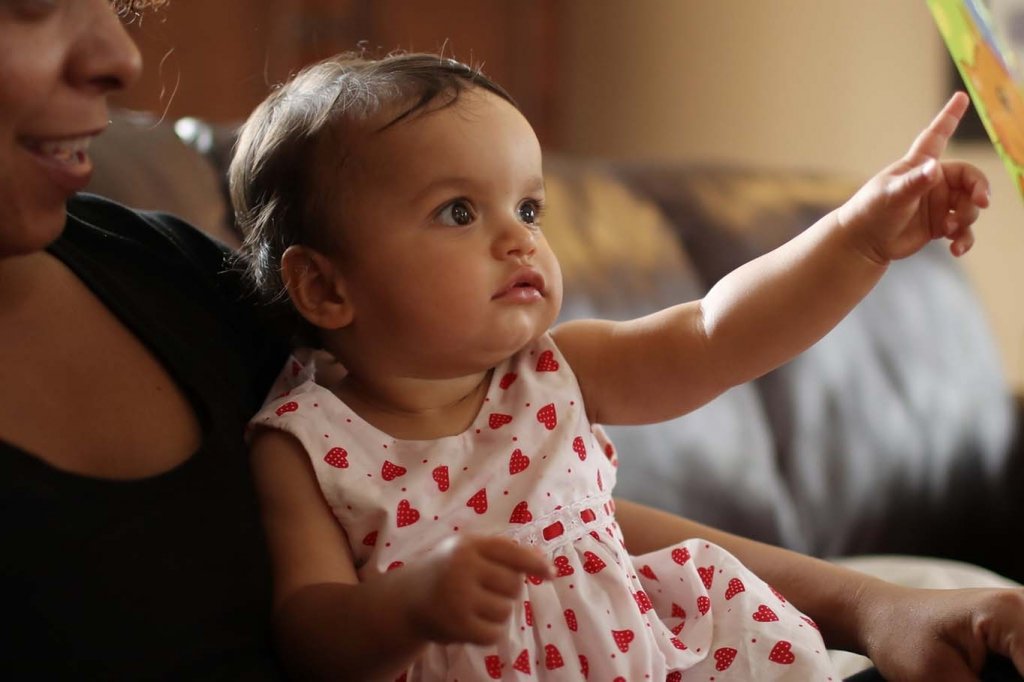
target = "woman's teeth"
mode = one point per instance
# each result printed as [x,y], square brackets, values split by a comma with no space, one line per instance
[71,150]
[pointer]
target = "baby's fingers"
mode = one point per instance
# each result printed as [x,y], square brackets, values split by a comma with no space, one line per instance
[520,559]
[931,143]
[969,181]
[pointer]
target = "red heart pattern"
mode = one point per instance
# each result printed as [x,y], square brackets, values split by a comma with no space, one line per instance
[390,472]
[764,615]
[497,420]
[493,664]
[735,587]
[522,663]
[507,380]
[547,416]
[674,676]
[681,555]
[623,638]
[570,620]
[406,515]
[528,612]
[337,458]
[580,448]
[518,462]
[678,611]
[552,657]
[546,362]
[440,475]
[707,575]
[371,539]
[648,572]
[593,563]
[809,622]
[562,567]
[782,653]
[584,667]
[724,657]
[478,502]
[643,602]
[703,605]
[521,513]
[290,406]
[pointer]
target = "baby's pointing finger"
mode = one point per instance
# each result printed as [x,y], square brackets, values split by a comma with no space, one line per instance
[931,142]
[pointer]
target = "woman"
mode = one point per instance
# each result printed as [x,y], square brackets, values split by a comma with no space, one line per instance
[129,367]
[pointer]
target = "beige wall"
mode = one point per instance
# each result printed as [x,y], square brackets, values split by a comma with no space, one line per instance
[828,84]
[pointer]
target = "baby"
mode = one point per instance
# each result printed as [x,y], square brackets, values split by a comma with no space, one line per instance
[442,510]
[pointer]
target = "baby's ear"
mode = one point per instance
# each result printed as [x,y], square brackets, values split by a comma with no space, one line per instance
[316,287]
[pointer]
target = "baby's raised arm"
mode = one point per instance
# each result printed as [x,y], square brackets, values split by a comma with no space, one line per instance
[330,625]
[776,306]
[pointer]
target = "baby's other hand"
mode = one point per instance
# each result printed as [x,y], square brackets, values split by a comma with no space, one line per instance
[467,589]
[919,197]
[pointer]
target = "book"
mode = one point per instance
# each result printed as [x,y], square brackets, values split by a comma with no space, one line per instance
[991,72]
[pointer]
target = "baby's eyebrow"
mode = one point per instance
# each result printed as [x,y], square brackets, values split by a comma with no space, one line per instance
[450,182]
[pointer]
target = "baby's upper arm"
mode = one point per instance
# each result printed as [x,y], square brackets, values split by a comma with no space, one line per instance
[307,545]
[641,371]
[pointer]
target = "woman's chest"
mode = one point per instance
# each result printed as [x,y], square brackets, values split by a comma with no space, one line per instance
[82,393]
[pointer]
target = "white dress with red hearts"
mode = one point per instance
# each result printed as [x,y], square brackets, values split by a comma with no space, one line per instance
[531,467]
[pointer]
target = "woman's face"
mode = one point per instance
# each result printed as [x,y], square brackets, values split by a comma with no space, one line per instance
[58,62]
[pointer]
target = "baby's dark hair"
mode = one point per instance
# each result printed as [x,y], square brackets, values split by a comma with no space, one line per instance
[274,190]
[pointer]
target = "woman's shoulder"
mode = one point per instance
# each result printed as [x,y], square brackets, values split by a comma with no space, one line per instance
[161,234]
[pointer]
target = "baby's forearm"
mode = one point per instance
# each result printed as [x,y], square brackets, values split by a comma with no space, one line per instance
[347,632]
[776,306]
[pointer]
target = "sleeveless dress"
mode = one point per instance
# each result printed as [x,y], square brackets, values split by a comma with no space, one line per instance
[531,467]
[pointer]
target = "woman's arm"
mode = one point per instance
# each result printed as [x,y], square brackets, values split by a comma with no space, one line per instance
[909,634]
[827,593]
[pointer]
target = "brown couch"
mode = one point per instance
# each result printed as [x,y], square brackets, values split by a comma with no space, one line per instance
[896,433]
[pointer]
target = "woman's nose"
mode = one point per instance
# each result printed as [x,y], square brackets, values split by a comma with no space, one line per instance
[105,57]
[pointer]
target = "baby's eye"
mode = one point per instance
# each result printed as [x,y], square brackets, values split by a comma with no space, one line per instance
[529,211]
[457,213]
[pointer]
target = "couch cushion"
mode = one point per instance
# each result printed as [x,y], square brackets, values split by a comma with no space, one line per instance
[141,162]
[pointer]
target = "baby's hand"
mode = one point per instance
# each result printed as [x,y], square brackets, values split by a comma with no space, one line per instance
[468,588]
[920,197]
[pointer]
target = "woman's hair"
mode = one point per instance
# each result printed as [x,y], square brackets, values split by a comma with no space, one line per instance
[134,7]
[277,199]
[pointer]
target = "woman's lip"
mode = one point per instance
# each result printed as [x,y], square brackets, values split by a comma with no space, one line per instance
[65,159]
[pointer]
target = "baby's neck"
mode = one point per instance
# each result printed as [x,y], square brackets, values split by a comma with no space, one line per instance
[416,409]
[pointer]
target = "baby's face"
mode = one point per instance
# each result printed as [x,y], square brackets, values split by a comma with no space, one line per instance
[447,267]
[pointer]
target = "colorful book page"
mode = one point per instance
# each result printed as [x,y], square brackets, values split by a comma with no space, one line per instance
[991,73]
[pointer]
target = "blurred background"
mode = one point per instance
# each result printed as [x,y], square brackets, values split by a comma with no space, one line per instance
[832,86]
